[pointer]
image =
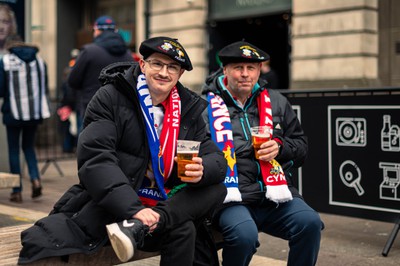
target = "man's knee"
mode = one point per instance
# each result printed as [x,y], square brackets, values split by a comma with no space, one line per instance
[310,224]
[186,230]
[244,234]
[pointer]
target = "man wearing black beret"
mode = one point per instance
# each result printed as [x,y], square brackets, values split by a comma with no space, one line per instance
[261,196]
[129,191]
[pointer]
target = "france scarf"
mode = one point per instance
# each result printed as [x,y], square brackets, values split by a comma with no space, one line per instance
[221,134]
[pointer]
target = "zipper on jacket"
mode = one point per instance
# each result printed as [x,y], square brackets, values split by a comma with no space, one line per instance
[245,125]
[244,128]
[247,121]
[244,109]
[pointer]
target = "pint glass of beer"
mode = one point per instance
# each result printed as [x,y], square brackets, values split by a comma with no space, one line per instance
[260,135]
[186,150]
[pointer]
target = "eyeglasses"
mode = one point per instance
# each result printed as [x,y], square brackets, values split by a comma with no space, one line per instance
[157,65]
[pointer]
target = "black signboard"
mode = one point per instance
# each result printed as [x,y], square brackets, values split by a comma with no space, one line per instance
[353,167]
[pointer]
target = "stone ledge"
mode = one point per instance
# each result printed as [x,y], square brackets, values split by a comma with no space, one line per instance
[8,180]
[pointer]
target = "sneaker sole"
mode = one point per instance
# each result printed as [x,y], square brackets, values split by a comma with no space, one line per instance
[121,244]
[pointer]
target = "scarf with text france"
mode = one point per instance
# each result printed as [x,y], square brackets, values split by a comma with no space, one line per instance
[162,149]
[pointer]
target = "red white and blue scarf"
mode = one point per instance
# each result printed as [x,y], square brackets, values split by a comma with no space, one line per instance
[221,134]
[163,148]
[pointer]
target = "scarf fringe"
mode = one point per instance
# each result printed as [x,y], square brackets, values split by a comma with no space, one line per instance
[278,194]
[233,195]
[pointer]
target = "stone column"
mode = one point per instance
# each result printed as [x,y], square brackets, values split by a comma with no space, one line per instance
[334,44]
[184,20]
[3,144]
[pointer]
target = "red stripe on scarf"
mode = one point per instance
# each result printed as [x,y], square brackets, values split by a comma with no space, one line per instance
[272,173]
[170,130]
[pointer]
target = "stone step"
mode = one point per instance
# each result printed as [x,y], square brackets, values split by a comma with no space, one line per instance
[8,180]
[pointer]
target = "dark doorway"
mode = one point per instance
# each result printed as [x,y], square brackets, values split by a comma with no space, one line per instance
[269,33]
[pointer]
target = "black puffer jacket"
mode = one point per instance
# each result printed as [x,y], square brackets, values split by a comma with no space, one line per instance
[286,127]
[113,155]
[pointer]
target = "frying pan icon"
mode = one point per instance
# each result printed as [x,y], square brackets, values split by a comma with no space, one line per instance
[351,176]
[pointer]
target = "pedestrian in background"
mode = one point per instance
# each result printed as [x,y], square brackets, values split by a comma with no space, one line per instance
[67,108]
[23,85]
[269,74]
[261,195]
[108,47]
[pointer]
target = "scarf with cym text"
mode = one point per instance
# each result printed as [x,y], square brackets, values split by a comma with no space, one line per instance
[272,174]
[163,148]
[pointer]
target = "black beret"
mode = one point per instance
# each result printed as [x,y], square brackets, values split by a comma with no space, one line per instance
[241,52]
[168,46]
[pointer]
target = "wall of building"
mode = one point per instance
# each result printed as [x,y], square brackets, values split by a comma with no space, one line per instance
[184,20]
[43,34]
[335,44]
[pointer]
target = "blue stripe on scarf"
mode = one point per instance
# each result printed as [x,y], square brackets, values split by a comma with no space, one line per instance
[221,134]
[154,143]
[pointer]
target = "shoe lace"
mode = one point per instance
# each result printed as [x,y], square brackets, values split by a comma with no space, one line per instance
[142,234]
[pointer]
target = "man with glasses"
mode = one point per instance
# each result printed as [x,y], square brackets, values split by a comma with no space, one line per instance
[108,47]
[129,186]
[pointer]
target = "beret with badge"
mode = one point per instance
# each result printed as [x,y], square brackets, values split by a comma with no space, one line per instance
[241,52]
[167,46]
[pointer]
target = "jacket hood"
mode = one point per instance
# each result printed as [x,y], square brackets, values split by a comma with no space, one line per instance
[25,52]
[210,82]
[108,74]
[112,42]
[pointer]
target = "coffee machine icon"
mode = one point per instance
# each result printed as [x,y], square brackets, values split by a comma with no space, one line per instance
[390,186]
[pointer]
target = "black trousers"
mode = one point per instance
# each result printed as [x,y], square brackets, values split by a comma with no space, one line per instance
[180,216]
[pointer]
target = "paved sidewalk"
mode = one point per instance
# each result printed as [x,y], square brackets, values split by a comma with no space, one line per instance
[54,186]
[345,240]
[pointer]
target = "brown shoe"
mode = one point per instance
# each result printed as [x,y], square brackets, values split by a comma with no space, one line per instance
[16,197]
[36,189]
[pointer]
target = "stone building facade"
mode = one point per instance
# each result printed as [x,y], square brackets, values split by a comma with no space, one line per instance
[314,44]
[333,44]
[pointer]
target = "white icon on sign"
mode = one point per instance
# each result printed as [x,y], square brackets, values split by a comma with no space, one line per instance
[390,135]
[351,131]
[351,176]
[390,186]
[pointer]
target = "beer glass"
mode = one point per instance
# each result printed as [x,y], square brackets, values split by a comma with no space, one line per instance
[186,150]
[259,135]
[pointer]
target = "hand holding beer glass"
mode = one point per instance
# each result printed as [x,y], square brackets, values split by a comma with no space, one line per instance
[186,150]
[259,135]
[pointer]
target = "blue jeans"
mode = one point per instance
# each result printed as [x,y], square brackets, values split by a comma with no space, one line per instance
[28,147]
[294,221]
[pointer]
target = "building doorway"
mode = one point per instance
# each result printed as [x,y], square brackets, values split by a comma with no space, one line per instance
[269,33]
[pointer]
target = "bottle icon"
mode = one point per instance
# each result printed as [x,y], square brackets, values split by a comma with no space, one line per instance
[385,138]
